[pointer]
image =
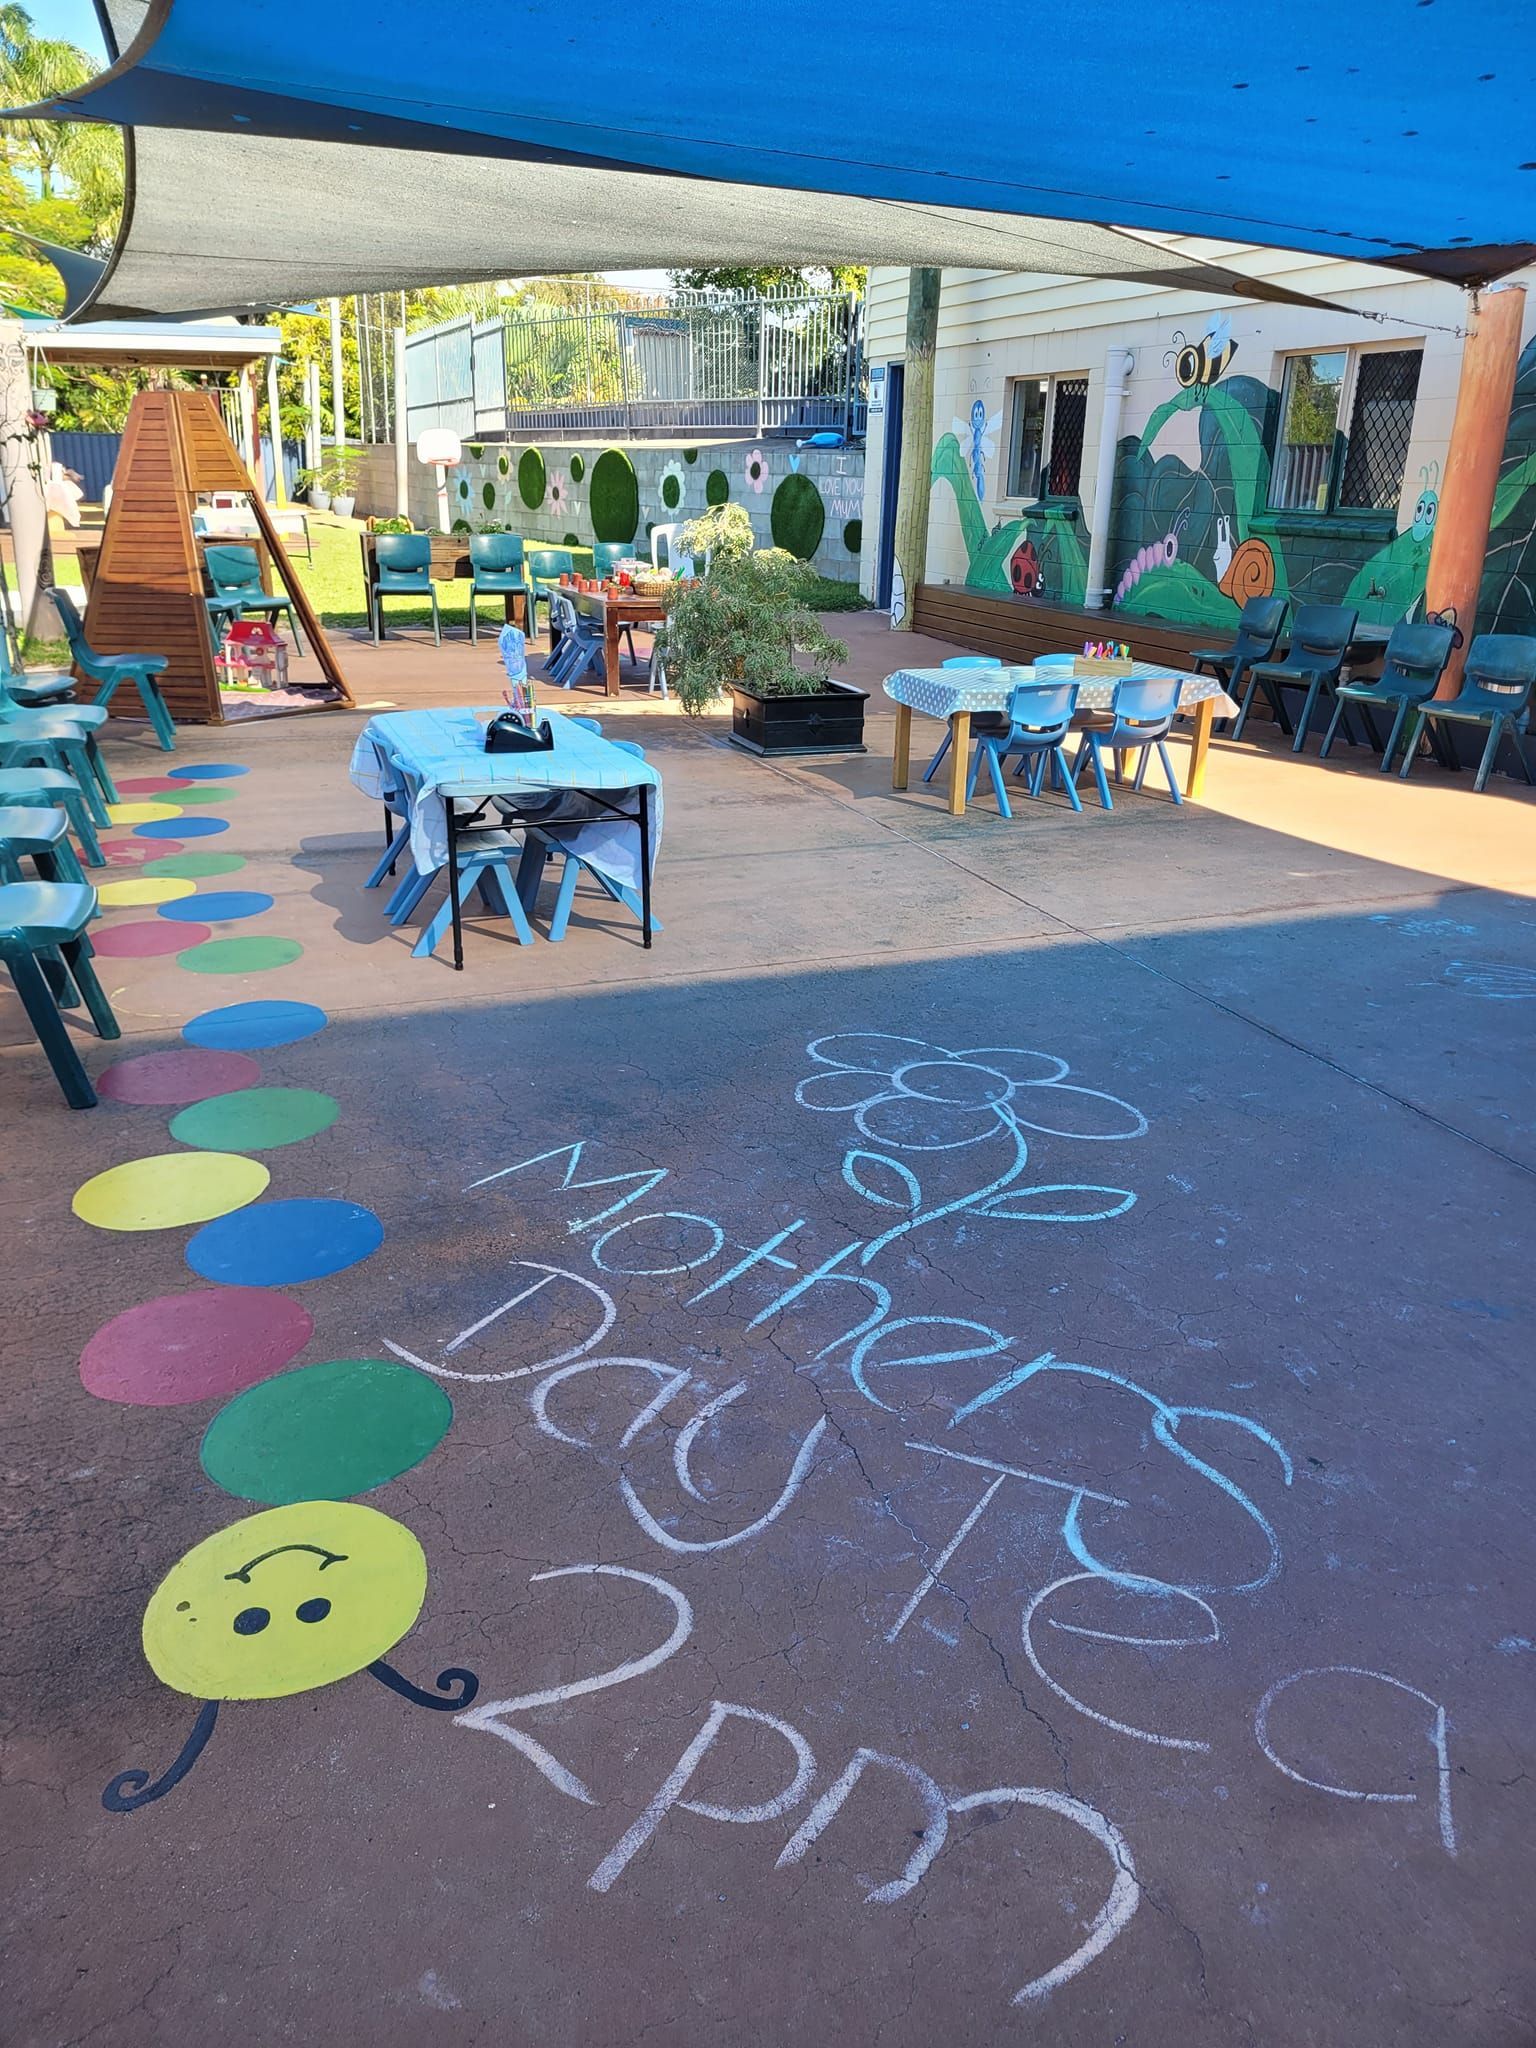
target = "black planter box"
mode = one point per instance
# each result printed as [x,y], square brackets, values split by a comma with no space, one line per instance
[830,721]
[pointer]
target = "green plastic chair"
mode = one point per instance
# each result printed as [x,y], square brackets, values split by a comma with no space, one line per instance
[1495,691]
[45,739]
[33,689]
[402,567]
[1415,661]
[38,919]
[40,835]
[59,720]
[1320,640]
[544,567]
[235,573]
[111,671]
[53,789]
[495,570]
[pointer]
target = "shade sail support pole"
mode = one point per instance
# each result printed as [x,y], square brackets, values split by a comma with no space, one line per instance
[914,487]
[338,387]
[275,428]
[1489,359]
[402,442]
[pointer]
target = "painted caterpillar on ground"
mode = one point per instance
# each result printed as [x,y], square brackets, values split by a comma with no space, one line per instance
[1156,555]
[1250,573]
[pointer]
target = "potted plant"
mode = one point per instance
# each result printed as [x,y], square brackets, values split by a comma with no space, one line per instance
[307,484]
[338,476]
[740,627]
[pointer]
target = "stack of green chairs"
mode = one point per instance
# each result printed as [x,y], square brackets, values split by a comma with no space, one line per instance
[43,939]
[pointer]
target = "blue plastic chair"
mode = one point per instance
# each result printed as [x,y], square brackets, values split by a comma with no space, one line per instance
[1319,642]
[54,789]
[1495,692]
[402,567]
[235,573]
[581,643]
[959,661]
[1140,718]
[44,739]
[76,724]
[1411,671]
[111,671]
[1039,719]
[543,568]
[1258,628]
[40,919]
[495,570]
[35,689]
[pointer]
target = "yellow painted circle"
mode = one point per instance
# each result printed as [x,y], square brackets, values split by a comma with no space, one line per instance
[146,889]
[169,1189]
[283,1601]
[141,814]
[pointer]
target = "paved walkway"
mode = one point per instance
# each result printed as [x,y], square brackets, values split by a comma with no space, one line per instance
[987,1478]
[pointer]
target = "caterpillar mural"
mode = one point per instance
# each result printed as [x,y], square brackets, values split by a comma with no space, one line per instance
[1158,554]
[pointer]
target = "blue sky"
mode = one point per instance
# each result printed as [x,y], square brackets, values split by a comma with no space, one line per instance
[71,21]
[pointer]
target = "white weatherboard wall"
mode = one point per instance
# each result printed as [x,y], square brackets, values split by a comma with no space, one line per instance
[996,325]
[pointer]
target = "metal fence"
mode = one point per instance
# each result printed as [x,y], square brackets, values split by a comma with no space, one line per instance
[704,362]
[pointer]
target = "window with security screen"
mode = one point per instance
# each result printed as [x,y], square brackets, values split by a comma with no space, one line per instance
[1047,422]
[1380,428]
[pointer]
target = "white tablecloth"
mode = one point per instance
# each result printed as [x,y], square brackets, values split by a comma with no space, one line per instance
[941,692]
[443,754]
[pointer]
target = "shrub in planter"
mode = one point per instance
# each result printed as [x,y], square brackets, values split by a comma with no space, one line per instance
[741,627]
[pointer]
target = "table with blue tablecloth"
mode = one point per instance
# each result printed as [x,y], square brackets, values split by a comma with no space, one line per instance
[600,800]
[953,694]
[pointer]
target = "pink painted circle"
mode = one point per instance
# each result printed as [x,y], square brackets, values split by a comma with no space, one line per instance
[133,853]
[186,1074]
[200,1346]
[144,941]
[142,785]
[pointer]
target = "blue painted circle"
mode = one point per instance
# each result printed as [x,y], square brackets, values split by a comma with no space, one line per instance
[208,772]
[246,1027]
[280,1244]
[215,905]
[186,827]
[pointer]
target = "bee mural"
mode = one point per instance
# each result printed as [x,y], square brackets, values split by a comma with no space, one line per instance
[1197,364]
[1428,503]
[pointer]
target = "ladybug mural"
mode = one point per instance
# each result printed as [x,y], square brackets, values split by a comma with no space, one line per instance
[1024,569]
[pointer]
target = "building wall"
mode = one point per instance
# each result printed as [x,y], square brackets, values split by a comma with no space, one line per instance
[1190,530]
[809,500]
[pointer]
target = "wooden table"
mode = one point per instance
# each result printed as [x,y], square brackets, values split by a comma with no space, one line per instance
[616,613]
[450,563]
[954,694]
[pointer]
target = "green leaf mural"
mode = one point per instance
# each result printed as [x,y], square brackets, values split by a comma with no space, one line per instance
[488,496]
[1248,462]
[950,467]
[613,497]
[1512,488]
[578,468]
[1174,590]
[1388,586]
[531,478]
[797,517]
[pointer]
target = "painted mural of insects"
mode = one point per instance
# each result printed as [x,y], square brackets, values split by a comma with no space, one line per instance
[1197,364]
[1024,568]
[1157,554]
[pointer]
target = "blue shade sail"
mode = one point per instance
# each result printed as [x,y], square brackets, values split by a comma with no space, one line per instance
[1391,131]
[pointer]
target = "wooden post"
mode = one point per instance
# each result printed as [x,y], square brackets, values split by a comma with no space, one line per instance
[250,429]
[1489,358]
[916,485]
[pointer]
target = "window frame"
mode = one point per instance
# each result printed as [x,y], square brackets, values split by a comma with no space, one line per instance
[1051,379]
[1339,453]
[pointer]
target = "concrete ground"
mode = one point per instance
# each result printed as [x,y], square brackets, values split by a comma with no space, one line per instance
[999,1506]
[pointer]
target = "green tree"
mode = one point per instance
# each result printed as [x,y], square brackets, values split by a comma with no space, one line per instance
[772,277]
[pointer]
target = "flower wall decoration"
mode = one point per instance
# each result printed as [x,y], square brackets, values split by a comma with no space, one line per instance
[757,470]
[674,486]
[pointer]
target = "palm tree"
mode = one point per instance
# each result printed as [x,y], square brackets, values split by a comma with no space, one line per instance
[84,155]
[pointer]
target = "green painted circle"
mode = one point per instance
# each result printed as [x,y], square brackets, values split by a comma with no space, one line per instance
[717,487]
[798,517]
[193,867]
[570,540]
[671,492]
[459,526]
[530,478]
[475,448]
[463,486]
[503,467]
[614,496]
[690,455]
[578,468]
[488,496]
[238,956]
[853,536]
[325,1432]
[206,793]
[254,1119]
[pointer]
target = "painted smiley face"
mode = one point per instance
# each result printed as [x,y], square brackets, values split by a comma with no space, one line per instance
[284,1601]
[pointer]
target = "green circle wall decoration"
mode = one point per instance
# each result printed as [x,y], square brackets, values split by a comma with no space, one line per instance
[614,496]
[853,536]
[461,526]
[671,492]
[570,540]
[530,478]
[488,496]
[463,486]
[690,455]
[578,468]
[798,517]
[474,448]
[717,487]
[503,467]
